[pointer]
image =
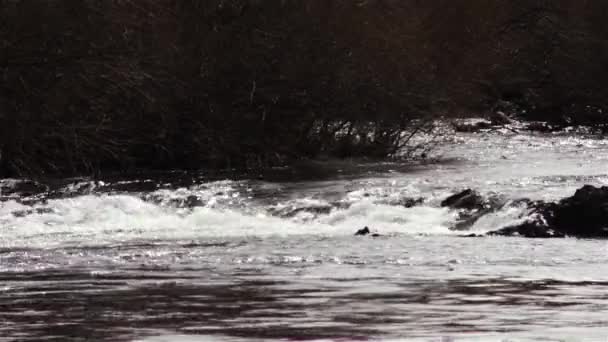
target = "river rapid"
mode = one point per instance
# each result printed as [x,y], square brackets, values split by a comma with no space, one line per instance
[181,257]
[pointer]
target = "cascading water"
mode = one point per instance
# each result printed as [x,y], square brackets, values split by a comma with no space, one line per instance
[153,259]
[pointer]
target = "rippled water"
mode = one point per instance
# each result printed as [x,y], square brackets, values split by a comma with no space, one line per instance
[195,260]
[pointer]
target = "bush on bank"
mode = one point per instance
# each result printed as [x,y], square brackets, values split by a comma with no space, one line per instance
[91,86]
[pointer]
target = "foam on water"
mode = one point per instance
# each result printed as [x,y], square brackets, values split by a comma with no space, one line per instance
[509,215]
[513,166]
[102,219]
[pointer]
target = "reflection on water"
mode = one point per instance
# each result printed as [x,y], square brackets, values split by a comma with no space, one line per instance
[362,289]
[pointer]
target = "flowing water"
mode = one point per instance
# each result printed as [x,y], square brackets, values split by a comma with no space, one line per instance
[184,258]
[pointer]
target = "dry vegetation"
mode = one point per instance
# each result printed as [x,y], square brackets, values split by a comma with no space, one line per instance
[114,85]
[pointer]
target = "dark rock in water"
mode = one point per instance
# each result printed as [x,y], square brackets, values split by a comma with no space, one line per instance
[467,220]
[189,202]
[530,230]
[366,231]
[322,209]
[192,201]
[411,202]
[584,215]
[467,199]
[38,211]
[362,232]
[539,126]
[406,202]
[472,207]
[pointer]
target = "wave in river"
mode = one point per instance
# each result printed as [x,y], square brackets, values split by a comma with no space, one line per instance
[221,210]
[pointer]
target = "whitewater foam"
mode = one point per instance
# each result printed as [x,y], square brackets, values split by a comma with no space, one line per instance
[100,219]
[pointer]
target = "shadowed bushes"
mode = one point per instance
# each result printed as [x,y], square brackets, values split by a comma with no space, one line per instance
[92,86]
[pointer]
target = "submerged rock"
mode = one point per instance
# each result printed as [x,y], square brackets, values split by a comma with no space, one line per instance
[472,206]
[406,202]
[411,202]
[294,210]
[467,199]
[584,215]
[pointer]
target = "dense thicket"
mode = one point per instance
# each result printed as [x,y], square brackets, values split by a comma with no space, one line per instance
[90,85]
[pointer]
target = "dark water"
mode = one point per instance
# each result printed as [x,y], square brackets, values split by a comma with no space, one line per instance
[307,288]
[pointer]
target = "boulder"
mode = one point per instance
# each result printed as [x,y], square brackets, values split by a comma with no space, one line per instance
[584,215]
[472,206]
[363,231]
[531,229]
[467,199]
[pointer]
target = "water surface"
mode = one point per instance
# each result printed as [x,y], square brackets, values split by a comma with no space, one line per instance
[266,260]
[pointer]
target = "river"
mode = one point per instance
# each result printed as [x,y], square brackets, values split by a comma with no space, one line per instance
[186,258]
